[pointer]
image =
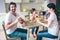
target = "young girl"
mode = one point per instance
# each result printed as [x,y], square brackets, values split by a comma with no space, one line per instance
[34,15]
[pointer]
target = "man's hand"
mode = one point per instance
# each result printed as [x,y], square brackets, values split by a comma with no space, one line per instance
[19,19]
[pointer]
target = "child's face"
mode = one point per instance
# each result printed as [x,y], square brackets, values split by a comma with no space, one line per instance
[35,12]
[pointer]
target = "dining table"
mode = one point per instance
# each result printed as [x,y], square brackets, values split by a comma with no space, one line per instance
[30,25]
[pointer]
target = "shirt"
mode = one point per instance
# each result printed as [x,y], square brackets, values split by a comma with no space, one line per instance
[53,28]
[11,18]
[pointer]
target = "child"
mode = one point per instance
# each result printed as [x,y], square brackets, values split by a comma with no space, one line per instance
[34,15]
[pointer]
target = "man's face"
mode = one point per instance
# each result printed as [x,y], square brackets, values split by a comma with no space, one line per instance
[12,8]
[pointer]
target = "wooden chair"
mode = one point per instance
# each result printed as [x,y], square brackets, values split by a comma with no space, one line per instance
[7,38]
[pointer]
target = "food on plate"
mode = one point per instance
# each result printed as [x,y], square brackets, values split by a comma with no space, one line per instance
[41,19]
[30,21]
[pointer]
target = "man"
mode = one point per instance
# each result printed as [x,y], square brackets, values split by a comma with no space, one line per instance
[11,24]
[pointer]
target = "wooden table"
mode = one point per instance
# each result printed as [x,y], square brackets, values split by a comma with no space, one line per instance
[30,25]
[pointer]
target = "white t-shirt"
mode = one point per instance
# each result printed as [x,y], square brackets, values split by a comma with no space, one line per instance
[53,29]
[11,18]
[31,16]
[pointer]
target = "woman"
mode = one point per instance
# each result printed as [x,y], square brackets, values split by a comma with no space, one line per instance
[52,24]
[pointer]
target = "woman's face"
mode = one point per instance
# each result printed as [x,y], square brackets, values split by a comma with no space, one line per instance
[48,10]
[35,12]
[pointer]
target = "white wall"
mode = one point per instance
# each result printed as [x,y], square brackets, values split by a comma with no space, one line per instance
[18,7]
[2,12]
[2,16]
[52,1]
[31,5]
[2,6]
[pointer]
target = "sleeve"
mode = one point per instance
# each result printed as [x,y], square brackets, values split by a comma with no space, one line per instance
[51,17]
[8,18]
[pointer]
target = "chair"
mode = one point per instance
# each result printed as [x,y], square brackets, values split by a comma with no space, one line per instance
[58,38]
[7,38]
[50,38]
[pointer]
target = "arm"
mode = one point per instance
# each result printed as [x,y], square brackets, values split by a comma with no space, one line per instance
[9,25]
[43,24]
[50,19]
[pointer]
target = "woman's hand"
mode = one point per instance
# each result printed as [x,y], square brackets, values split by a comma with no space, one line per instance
[38,21]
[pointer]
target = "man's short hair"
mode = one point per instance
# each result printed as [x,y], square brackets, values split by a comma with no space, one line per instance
[12,3]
